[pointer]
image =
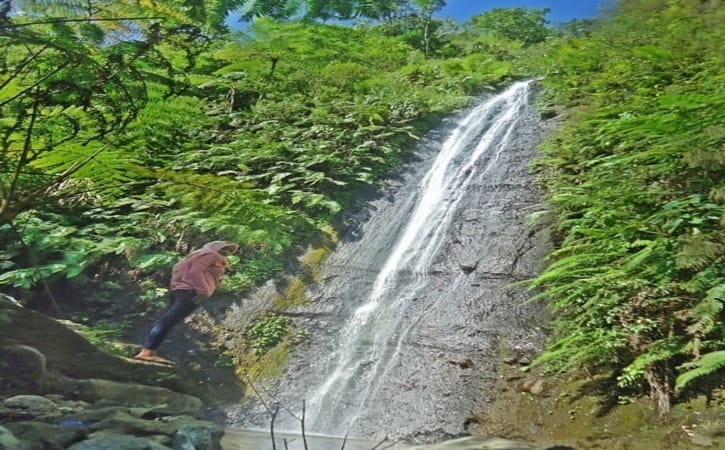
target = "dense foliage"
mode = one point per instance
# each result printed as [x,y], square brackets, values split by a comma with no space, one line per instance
[132,132]
[636,179]
[127,149]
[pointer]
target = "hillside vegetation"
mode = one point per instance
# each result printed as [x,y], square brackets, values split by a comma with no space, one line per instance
[132,132]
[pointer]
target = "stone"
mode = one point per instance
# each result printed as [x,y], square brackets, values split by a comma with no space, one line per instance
[124,423]
[8,441]
[32,404]
[164,401]
[116,442]
[43,345]
[91,415]
[195,434]
[42,436]
[22,368]
[534,386]
[700,440]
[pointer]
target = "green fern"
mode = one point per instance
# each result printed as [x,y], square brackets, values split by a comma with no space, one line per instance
[705,365]
[706,314]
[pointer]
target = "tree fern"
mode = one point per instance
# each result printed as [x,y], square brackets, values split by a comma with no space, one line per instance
[77,76]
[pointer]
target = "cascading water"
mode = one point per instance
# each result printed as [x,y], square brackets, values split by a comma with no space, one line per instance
[406,330]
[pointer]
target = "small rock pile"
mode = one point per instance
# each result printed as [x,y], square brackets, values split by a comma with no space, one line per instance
[58,392]
[55,421]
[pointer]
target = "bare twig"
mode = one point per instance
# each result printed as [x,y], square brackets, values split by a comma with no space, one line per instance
[256,391]
[385,439]
[49,293]
[302,426]
[271,426]
[19,68]
[344,441]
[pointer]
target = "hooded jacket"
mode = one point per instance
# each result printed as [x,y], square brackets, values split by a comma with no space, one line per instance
[201,270]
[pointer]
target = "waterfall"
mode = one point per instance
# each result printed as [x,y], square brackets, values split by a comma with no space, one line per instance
[407,308]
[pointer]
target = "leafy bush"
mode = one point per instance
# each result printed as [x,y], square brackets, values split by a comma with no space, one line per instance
[635,177]
[266,332]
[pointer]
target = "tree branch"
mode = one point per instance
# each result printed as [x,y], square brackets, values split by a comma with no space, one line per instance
[27,145]
[88,19]
[22,65]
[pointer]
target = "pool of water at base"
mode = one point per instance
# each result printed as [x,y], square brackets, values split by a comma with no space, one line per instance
[253,440]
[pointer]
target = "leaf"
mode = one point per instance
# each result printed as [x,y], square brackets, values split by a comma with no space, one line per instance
[705,365]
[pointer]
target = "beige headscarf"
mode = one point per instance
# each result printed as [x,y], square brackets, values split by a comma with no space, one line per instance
[214,247]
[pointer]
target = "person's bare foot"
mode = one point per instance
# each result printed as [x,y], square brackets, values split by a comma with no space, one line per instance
[151,356]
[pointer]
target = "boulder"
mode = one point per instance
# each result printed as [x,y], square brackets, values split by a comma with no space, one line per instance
[115,442]
[92,415]
[69,354]
[162,400]
[27,407]
[22,368]
[32,404]
[8,441]
[124,423]
[195,434]
[42,436]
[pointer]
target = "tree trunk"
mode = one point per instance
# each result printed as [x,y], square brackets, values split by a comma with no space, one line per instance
[660,390]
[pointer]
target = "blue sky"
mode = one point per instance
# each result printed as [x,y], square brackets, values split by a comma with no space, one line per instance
[561,10]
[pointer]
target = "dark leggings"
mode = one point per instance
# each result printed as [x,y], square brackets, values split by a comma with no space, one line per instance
[181,304]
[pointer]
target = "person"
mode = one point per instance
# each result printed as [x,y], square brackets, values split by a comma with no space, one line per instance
[193,280]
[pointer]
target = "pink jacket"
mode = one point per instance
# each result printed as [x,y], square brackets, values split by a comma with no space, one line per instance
[201,270]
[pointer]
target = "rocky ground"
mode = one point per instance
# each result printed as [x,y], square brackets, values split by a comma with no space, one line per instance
[57,391]
[570,413]
[60,392]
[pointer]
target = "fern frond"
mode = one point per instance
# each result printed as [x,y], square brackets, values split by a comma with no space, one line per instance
[659,351]
[707,364]
[698,251]
[706,314]
[93,161]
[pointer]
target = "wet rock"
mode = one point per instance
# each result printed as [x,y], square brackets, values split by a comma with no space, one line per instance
[34,405]
[94,414]
[124,423]
[8,441]
[116,442]
[164,400]
[465,363]
[535,386]
[468,267]
[42,436]
[195,434]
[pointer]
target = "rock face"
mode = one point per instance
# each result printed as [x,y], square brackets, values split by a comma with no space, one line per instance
[59,391]
[21,368]
[32,345]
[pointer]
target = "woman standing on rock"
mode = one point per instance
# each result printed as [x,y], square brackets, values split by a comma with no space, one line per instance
[193,280]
